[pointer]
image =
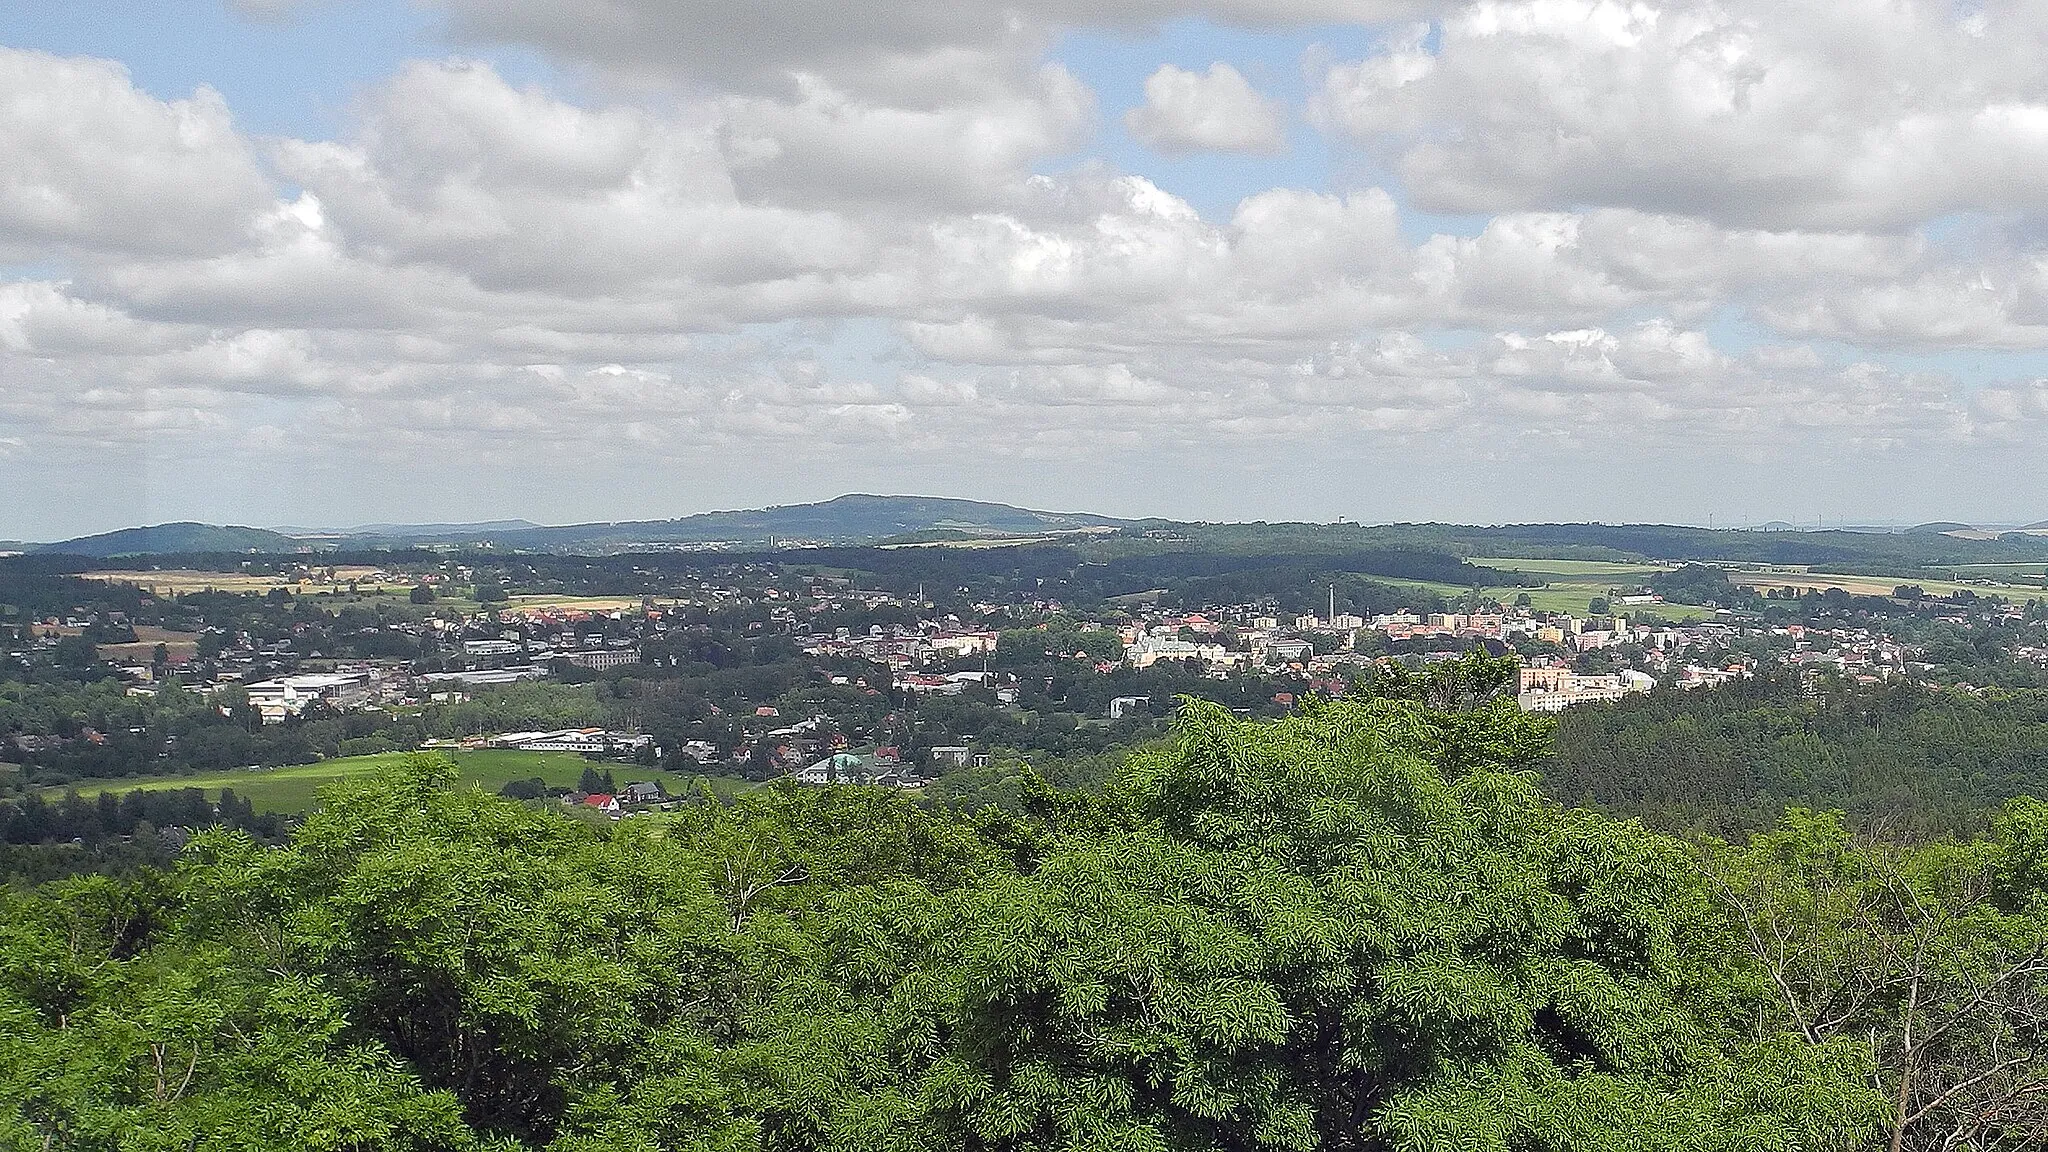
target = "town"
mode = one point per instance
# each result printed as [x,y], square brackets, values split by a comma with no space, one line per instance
[772,668]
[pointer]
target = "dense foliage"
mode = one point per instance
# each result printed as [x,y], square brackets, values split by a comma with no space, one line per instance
[1361,927]
[1915,760]
[1698,584]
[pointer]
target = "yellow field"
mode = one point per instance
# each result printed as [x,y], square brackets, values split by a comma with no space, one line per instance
[571,603]
[177,581]
[1807,580]
[172,582]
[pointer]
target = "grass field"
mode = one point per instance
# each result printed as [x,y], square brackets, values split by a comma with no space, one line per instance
[333,595]
[179,646]
[1574,582]
[2016,585]
[293,789]
[1571,585]
[175,581]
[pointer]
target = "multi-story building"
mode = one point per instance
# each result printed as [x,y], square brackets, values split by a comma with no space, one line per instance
[290,695]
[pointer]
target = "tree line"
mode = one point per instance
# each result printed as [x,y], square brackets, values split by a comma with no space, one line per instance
[1918,760]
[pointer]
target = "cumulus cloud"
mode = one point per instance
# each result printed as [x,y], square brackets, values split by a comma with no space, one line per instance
[861,243]
[1213,111]
[516,190]
[935,47]
[830,146]
[92,162]
[1778,113]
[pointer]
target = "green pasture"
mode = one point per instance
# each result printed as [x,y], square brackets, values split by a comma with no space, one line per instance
[1571,586]
[293,788]
[2019,577]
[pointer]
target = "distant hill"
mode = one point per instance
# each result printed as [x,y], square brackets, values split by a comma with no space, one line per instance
[865,520]
[413,532]
[1938,527]
[184,536]
[855,519]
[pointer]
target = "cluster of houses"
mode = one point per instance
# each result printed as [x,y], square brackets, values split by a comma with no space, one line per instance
[903,647]
[1328,646]
[639,794]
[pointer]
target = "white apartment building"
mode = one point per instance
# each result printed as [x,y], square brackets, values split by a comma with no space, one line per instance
[1555,689]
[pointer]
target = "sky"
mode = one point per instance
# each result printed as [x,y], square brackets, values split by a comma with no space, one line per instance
[1698,261]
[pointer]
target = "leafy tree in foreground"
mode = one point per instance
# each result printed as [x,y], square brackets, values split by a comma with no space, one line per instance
[1303,936]
[1934,958]
[1361,928]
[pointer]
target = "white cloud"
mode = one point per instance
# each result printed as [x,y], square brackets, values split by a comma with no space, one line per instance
[1213,111]
[517,191]
[1781,113]
[843,263]
[934,49]
[830,146]
[89,161]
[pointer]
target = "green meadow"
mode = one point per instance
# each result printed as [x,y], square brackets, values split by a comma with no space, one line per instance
[1569,585]
[294,789]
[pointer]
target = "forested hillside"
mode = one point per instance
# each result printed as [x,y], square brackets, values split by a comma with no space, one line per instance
[1912,760]
[1361,927]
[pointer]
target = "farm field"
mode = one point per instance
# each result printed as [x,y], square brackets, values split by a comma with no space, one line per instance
[1573,582]
[179,646]
[2034,570]
[333,594]
[570,603]
[176,581]
[1559,596]
[2018,585]
[1571,585]
[292,789]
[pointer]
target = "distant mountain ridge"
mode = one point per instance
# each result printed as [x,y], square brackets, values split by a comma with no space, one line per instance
[184,536]
[853,519]
[863,520]
[407,531]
